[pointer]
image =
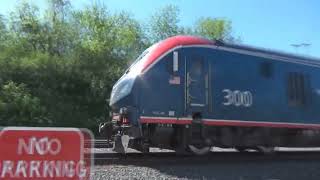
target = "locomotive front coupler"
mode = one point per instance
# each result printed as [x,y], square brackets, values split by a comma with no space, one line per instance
[113,131]
[123,128]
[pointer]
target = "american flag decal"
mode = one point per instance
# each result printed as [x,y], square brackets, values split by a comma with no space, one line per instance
[174,80]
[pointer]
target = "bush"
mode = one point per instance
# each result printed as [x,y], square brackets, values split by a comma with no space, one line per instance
[19,108]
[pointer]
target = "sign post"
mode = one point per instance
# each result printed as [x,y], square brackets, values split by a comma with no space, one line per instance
[43,153]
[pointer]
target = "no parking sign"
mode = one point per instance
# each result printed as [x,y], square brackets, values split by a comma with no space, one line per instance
[43,153]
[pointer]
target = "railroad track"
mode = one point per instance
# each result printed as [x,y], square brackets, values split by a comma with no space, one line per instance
[289,165]
[107,156]
[220,157]
[98,143]
[285,164]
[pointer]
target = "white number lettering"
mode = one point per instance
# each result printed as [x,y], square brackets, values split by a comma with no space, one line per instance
[228,97]
[247,99]
[237,98]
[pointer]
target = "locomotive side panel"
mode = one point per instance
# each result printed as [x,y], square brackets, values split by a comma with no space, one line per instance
[161,91]
[301,99]
[234,86]
[241,88]
[256,89]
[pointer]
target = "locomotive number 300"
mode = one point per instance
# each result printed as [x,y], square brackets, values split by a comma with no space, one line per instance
[237,98]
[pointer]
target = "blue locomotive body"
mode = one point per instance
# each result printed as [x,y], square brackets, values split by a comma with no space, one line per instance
[191,92]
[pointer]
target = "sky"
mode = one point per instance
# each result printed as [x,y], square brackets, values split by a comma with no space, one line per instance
[272,24]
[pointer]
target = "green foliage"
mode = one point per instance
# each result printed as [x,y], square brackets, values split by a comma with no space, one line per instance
[59,32]
[25,26]
[164,23]
[19,107]
[3,30]
[57,68]
[213,28]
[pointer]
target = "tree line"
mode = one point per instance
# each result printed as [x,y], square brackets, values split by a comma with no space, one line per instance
[58,65]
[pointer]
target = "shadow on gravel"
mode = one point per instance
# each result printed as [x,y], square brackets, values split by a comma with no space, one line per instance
[225,165]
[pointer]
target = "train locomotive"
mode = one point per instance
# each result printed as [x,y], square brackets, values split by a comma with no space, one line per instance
[189,94]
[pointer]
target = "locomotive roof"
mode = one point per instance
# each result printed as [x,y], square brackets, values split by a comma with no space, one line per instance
[170,43]
[183,40]
[272,52]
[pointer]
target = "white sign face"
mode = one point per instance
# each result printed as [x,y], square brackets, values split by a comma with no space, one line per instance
[237,98]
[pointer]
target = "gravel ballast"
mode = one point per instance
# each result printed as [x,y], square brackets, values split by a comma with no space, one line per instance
[291,170]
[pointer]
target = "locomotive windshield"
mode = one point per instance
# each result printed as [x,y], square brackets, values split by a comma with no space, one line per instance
[137,60]
[136,66]
[124,85]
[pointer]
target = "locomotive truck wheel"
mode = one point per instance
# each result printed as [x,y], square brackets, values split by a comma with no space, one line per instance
[199,150]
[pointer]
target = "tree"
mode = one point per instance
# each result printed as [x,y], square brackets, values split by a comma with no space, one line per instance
[60,34]
[3,31]
[117,35]
[96,29]
[164,23]
[25,24]
[58,10]
[214,28]
[19,107]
